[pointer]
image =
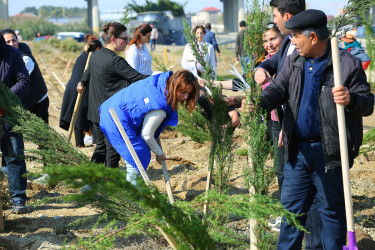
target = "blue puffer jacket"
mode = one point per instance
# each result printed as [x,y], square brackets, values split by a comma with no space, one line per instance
[131,105]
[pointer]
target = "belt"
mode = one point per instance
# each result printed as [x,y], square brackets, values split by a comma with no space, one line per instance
[314,139]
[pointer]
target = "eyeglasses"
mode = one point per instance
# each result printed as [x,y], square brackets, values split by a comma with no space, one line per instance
[126,39]
[271,25]
[271,40]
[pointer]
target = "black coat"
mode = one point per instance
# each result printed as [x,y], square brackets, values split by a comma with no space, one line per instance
[38,87]
[106,74]
[70,97]
[287,88]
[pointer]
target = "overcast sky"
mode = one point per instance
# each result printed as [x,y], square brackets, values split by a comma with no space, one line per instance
[193,6]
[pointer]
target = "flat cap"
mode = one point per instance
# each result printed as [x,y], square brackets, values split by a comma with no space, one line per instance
[307,19]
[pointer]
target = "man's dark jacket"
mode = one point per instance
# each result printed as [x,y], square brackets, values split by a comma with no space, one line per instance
[13,71]
[210,38]
[287,88]
[107,74]
[38,87]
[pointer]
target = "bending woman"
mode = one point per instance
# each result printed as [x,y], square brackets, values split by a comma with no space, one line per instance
[107,74]
[144,109]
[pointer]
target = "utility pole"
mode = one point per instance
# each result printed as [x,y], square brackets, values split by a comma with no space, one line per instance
[4,10]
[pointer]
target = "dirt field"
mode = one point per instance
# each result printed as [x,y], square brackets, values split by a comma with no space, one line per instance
[43,227]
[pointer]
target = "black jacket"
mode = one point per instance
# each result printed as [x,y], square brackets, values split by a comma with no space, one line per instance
[287,88]
[107,74]
[70,97]
[13,71]
[38,87]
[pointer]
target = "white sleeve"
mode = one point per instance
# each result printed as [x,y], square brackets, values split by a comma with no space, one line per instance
[131,56]
[151,122]
[188,61]
[29,63]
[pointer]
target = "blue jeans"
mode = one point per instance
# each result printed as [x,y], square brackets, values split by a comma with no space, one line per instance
[278,155]
[304,178]
[153,44]
[12,148]
[244,61]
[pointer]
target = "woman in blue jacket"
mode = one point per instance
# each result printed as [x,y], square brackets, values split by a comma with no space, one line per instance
[144,109]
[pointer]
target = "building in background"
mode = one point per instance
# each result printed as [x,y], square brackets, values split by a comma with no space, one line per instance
[209,15]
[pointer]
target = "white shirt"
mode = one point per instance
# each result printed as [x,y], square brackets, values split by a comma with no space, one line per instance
[151,122]
[30,65]
[190,63]
[140,60]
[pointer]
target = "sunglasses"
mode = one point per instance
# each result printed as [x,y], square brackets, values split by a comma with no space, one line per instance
[271,25]
[126,39]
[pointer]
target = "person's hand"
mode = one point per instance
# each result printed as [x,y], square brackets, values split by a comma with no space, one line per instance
[230,101]
[341,95]
[80,88]
[218,54]
[202,82]
[261,76]
[280,141]
[160,158]
[237,59]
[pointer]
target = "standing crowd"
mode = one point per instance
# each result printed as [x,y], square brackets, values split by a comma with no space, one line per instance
[296,75]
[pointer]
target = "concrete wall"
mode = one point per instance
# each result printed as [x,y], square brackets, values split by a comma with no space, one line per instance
[234,12]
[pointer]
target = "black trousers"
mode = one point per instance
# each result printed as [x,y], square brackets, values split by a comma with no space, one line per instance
[41,110]
[104,152]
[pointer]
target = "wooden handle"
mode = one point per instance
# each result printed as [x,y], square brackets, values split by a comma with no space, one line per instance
[76,106]
[167,182]
[343,139]
[130,146]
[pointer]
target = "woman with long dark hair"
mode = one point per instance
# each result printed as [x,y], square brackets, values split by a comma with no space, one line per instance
[70,95]
[137,53]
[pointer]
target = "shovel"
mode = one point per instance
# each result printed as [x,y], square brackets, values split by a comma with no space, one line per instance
[136,158]
[343,151]
[76,106]
[168,237]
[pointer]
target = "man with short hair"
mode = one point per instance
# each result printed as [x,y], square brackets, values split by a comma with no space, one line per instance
[14,75]
[310,133]
[210,37]
[241,54]
[153,37]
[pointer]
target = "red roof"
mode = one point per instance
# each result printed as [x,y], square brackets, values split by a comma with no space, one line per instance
[210,9]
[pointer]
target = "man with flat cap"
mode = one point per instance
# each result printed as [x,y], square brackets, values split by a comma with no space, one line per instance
[310,133]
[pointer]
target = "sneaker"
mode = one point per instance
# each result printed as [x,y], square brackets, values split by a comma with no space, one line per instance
[275,224]
[19,206]
[4,170]
[86,188]
[87,139]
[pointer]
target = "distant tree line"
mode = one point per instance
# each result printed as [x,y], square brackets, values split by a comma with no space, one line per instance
[46,11]
[161,5]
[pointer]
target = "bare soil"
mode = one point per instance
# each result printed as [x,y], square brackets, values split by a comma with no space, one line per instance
[44,225]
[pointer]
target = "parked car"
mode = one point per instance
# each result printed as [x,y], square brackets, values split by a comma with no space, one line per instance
[78,36]
[41,38]
[360,33]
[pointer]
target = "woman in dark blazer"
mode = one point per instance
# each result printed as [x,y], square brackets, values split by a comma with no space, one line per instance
[107,74]
[70,95]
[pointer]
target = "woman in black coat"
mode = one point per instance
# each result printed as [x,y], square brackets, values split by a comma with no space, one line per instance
[82,122]
[107,74]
